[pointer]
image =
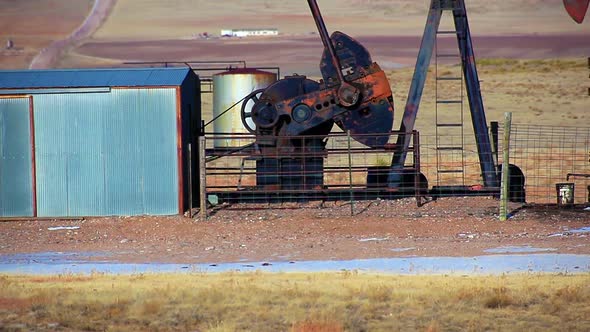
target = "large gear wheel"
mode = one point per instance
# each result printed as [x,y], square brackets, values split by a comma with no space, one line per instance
[264,113]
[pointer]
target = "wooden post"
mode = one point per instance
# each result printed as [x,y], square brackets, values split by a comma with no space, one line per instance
[505,183]
[202,179]
[350,175]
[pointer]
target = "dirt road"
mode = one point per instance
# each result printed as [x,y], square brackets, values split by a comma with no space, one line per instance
[48,57]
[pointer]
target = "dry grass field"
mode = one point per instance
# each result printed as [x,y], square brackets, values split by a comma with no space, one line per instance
[345,301]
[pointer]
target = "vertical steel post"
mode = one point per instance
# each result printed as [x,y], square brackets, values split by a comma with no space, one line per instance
[505,167]
[202,179]
[494,128]
[478,116]
[350,174]
[414,96]
[416,152]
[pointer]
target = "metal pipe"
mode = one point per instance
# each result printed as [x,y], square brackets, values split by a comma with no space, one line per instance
[576,175]
[414,96]
[347,94]
[319,22]
[478,116]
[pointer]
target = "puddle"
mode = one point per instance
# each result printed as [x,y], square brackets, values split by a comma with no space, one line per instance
[517,249]
[60,228]
[582,230]
[402,249]
[60,263]
[375,239]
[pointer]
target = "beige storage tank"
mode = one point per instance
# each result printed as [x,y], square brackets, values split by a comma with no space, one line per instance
[228,88]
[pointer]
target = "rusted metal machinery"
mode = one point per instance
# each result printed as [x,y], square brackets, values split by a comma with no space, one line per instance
[354,94]
[291,121]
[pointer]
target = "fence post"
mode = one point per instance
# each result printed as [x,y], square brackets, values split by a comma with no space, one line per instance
[202,179]
[190,180]
[505,167]
[350,175]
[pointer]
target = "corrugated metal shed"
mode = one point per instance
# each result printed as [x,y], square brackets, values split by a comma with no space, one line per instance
[66,78]
[107,154]
[16,175]
[115,151]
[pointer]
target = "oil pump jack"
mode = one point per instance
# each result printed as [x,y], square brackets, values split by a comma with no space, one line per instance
[354,94]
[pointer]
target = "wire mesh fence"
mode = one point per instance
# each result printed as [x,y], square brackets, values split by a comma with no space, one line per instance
[337,167]
[550,157]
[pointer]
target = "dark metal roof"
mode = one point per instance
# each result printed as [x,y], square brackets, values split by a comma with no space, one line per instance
[99,77]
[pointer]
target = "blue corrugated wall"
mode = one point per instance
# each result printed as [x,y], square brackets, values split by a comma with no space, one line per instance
[107,153]
[16,188]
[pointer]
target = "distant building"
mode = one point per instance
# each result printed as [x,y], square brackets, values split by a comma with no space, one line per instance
[249,32]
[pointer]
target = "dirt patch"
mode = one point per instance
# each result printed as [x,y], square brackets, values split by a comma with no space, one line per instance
[309,231]
[15,304]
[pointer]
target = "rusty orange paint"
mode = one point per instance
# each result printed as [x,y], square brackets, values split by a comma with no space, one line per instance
[375,84]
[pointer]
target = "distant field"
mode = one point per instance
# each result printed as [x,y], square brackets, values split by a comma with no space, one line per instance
[344,301]
[33,25]
[155,19]
[170,25]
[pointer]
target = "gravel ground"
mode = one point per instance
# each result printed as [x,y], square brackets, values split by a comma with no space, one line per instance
[310,231]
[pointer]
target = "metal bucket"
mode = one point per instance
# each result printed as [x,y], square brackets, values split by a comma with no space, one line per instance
[565,194]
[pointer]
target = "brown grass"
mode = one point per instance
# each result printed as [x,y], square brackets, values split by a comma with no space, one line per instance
[346,301]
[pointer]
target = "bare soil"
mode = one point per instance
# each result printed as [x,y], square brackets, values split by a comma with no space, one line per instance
[310,231]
